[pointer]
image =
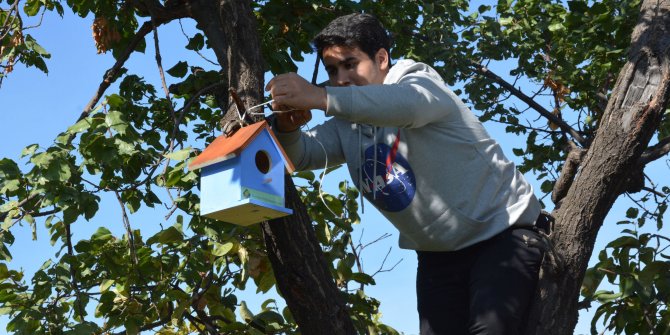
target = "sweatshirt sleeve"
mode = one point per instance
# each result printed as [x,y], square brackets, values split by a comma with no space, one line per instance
[414,101]
[313,149]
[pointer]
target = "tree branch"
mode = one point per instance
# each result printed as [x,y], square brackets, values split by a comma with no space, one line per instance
[160,16]
[483,70]
[3,216]
[153,325]
[113,72]
[73,273]
[4,29]
[131,238]
[655,152]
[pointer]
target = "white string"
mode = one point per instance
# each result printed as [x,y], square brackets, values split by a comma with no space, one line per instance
[323,175]
[262,112]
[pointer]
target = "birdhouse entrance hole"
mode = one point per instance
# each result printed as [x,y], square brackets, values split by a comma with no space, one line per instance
[263,162]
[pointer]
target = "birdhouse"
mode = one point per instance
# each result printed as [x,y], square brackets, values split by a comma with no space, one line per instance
[242,176]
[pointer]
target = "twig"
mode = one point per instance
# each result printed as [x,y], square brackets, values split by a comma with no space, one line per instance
[160,67]
[196,51]
[19,205]
[193,99]
[39,23]
[653,191]
[6,24]
[73,272]
[381,267]
[153,325]
[357,259]
[129,232]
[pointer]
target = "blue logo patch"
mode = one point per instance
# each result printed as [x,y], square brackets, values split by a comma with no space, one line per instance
[392,188]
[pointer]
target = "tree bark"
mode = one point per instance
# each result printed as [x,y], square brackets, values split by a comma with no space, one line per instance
[634,112]
[302,273]
[299,265]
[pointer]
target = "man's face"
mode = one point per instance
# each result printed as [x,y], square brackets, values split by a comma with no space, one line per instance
[351,66]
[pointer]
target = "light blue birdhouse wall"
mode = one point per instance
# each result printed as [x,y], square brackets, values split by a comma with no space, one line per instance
[220,186]
[263,170]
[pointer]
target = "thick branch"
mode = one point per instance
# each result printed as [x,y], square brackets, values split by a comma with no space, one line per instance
[655,152]
[568,173]
[161,17]
[113,72]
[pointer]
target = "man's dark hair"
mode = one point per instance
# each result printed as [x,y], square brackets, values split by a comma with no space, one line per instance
[354,30]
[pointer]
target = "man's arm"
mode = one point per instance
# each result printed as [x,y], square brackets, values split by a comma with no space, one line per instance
[313,149]
[416,100]
[413,102]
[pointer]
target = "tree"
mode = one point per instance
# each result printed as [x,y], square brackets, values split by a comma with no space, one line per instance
[608,94]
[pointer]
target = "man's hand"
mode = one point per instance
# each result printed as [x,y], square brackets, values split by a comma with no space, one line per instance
[290,121]
[291,90]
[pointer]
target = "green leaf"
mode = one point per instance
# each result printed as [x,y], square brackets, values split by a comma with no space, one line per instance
[8,186]
[41,159]
[363,278]
[266,282]
[180,155]
[222,249]
[102,235]
[32,7]
[115,100]
[623,241]
[179,70]
[196,43]
[307,175]
[80,126]
[592,280]
[210,101]
[607,296]
[506,21]
[556,27]
[29,150]
[85,328]
[106,284]
[132,326]
[632,213]
[167,236]
[114,120]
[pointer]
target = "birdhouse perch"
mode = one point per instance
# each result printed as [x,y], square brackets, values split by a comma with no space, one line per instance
[242,176]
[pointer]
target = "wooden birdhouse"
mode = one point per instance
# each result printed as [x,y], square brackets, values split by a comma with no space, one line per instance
[242,176]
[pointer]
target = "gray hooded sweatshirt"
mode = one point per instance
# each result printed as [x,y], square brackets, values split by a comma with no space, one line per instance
[420,156]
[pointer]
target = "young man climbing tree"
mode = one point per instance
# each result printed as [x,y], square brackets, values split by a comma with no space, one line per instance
[424,160]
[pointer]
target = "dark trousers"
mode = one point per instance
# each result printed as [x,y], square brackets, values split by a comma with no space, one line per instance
[483,289]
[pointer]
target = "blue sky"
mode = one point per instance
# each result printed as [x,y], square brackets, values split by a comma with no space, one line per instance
[35,107]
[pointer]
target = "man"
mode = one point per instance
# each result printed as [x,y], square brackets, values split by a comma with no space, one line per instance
[423,159]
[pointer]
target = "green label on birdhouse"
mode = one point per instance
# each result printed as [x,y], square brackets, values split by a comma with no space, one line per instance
[262,196]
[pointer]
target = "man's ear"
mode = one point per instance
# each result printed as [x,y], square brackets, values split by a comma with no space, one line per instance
[382,59]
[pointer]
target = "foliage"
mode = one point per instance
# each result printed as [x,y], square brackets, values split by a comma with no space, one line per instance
[637,264]
[133,147]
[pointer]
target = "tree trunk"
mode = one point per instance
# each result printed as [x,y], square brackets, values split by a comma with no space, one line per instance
[301,271]
[299,266]
[634,112]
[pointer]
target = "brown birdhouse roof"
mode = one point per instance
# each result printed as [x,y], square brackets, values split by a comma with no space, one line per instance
[224,148]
